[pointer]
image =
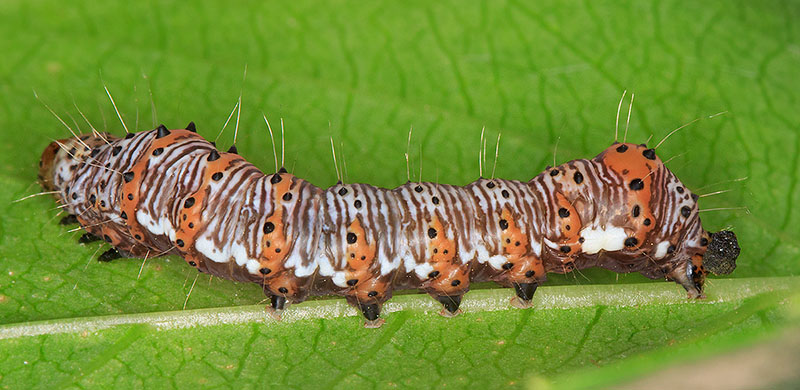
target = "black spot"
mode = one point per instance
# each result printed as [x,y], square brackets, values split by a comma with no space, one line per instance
[631,241]
[622,148]
[695,197]
[128,176]
[505,194]
[516,243]
[503,224]
[646,222]
[578,177]
[192,263]
[372,294]
[233,149]
[123,215]
[581,240]
[107,238]
[283,290]
[158,151]
[563,213]
[431,233]
[455,283]
[130,196]
[74,195]
[94,153]
[490,184]
[636,211]
[188,203]
[363,257]
[671,249]
[162,131]
[435,250]
[565,249]
[217,176]
[508,266]
[686,211]
[213,156]
[703,241]
[357,204]
[679,189]
[115,150]
[265,271]
[269,227]
[342,191]
[352,282]
[73,151]
[275,179]
[191,225]
[636,184]
[180,243]
[418,188]
[102,203]
[568,227]
[554,172]
[351,238]
[92,198]
[435,200]
[129,136]
[277,250]
[530,274]
[191,127]
[433,274]
[649,154]
[136,236]
[444,251]
[287,196]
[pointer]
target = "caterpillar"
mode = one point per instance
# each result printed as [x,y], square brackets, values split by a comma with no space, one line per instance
[162,192]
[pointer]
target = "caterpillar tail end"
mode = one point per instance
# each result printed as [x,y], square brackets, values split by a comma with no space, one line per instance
[111,254]
[88,238]
[69,220]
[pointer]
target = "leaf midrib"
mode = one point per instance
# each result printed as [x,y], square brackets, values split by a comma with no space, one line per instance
[547,298]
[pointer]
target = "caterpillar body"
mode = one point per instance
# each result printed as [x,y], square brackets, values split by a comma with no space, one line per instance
[164,191]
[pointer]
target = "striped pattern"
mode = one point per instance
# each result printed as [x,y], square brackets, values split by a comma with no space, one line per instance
[171,192]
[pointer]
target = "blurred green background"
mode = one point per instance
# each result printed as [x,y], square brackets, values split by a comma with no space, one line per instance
[541,73]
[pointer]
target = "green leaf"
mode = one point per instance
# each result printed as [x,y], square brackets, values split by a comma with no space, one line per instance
[542,74]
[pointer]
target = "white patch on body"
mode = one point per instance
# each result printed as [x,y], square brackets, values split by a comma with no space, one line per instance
[207,248]
[423,270]
[610,239]
[661,249]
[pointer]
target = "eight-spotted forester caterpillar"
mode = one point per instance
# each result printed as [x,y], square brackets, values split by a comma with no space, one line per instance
[172,192]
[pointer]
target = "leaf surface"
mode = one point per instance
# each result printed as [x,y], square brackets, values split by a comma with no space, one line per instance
[547,75]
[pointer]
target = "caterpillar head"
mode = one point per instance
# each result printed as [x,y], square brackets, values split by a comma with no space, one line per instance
[719,258]
[661,220]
